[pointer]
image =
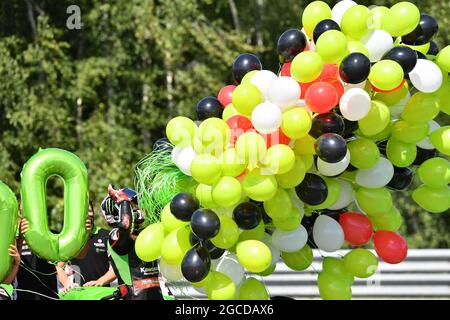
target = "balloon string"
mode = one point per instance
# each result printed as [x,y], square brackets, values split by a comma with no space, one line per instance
[29,270]
[40,294]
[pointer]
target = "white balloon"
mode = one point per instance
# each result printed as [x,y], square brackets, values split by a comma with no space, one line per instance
[274,250]
[346,196]
[333,169]
[290,241]
[426,76]
[230,266]
[348,86]
[376,177]
[182,158]
[284,92]
[266,117]
[354,104]
[426,143]
[377,42]
[340,8]
[328,234]
[263,79]
[170,272]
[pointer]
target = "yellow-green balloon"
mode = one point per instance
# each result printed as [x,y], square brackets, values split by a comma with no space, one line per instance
[252,289]
[227,192]
[354,22]
[291,222]
[386,75]
[293,177]
[364,153]
[296,123]
[304,145]
[149,241]
[336,266]
[256,233]
[214,134]
[434,200]
[229,111]
[180,131]
[231,164]
[220,287]
[298,260]
[251,148]
[331,287]
[421,108]
[440,138]
[248,77]
[443,96]
[374,202]
[203,192]
[402,18]
[228,233]
[254,255]
[169,221]
[420,48]
[279,206]
[314,12]
[279,159]
[357,46]
[443,59]
[246,97]
[332,46]
[268,271]
[376,120]
[306,66]
[399,153]
[361,263]
[380,136]
[175,246]
[435,172]
[392,97]
[205,168]
[391,220]
[378,15]
[409,132]
[259,187]
[308,160]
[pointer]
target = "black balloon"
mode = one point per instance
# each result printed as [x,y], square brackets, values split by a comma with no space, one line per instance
[423,155]
[355,68]
[281,298]
[423,33]
[335,214]
[196,264]
[290,43]
[404,56]
[350,168]
[330,147]
[209,107]
[213,251]
[349,126]
[260,205]
[183,206]
[324,26]
[247,215]
[382,147]
[329,122]
[243,64]
[434,49]
[162,144]
[205,223]
[402,178]
[312,190]
[420,55]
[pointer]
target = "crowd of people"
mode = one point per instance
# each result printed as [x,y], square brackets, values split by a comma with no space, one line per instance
[107,259]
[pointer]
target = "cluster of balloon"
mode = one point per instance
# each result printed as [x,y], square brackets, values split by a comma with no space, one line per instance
[310,157]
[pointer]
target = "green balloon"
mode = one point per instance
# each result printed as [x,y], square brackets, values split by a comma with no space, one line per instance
[399,153]
[364,153]
[402,18]
[440,138]
[290,223]
[220,287]
[443,96]
[314,12]
[354,22]
[268,271]
[421,108]
[306,66]
[8,225]
[298,260]
[254,255]
[257,233]
[392,97]
[357,46]
[293,177]
[296,123]
[435,172]
[169,221]
[331,287]
[175,246]
[248,77]
[206,169]
[378,15]
[213,135]
[246,97]
[203,193]
[252,289]
[332,46]
[35,173]
[443,59]
[408,132]
[279,206]
[149,241]
[434,200]
[180,131]
[279,159]
[361,263]
[376,120]
[231,164]
[336,266]
[227,192]
[228,233]
[259,187]
[374,202]
[229,111]
[386,75]
[250,148]
[391,220]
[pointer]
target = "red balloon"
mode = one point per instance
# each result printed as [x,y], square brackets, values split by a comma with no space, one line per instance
[338,86]
[238,125]
[286,69]
[329,72]
[390,246]
[321,97]
[357,228]
[277,137]
[225,95]
[396,88]
[304,87]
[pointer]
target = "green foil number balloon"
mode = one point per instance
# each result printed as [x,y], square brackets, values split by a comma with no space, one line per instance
[38,169]
[8,228]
